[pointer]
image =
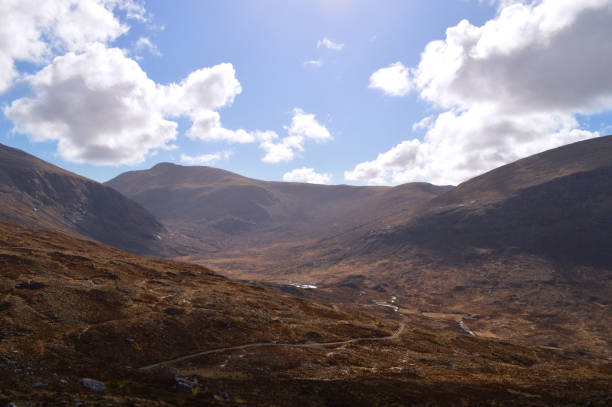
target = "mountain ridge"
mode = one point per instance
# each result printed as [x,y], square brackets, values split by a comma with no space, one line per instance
[235,211]
[556,203]
[489,248]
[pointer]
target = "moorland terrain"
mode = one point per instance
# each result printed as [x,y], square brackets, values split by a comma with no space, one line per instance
[523,249]
[494,292]
[156,332]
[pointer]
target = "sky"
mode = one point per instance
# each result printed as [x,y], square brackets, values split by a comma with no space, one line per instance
[324,91]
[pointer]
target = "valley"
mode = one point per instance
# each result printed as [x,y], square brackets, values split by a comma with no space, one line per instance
[522,248]
[159,333]
[326,203]
[494,291]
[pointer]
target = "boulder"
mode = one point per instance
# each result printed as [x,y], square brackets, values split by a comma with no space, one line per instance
[94,385]
[184,385]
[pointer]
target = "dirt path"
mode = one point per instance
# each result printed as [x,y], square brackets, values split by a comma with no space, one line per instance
[395,334]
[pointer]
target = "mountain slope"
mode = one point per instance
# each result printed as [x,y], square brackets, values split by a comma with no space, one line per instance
[556,204]
[524,249]
[160,333]
[212,210]
[36,193]
[230,203]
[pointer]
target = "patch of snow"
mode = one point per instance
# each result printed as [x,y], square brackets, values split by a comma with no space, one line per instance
[305,286]
[465,328]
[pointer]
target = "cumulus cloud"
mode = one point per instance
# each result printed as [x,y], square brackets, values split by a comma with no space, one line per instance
[205,159]
[207,127]
[203,90]
[199,95]
[393,80]
[443,159]
[329,44]
[31,30]
[98,104]
[102,108]
[306,175]
[95,101]
[303,127]
[510,88]
[546,55]
[277,150]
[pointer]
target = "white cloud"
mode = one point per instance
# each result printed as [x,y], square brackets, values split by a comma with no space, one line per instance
[303,127]
[306,175]
[144,43]
[96,102]
[329,44]
[511,87]
[99,105]
[306,126]
[199,95]
[317,63]
[32,30]
[102,108]
[206,159]
[207,127]
[393,80]
[543,56]
[442,159]
[202,91]
[277,152]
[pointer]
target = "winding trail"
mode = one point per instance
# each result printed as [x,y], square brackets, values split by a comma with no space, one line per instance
[395,334]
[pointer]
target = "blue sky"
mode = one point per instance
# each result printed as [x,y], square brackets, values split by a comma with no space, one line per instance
[322,110]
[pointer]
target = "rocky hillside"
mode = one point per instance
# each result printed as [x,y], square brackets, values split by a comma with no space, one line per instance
[38,194]
[84,323]
[524,249]
[557,204]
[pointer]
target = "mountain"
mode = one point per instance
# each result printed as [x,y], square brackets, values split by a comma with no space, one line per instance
[85,323]
[557,204]
[38,194]
[524,249]
[211,210]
